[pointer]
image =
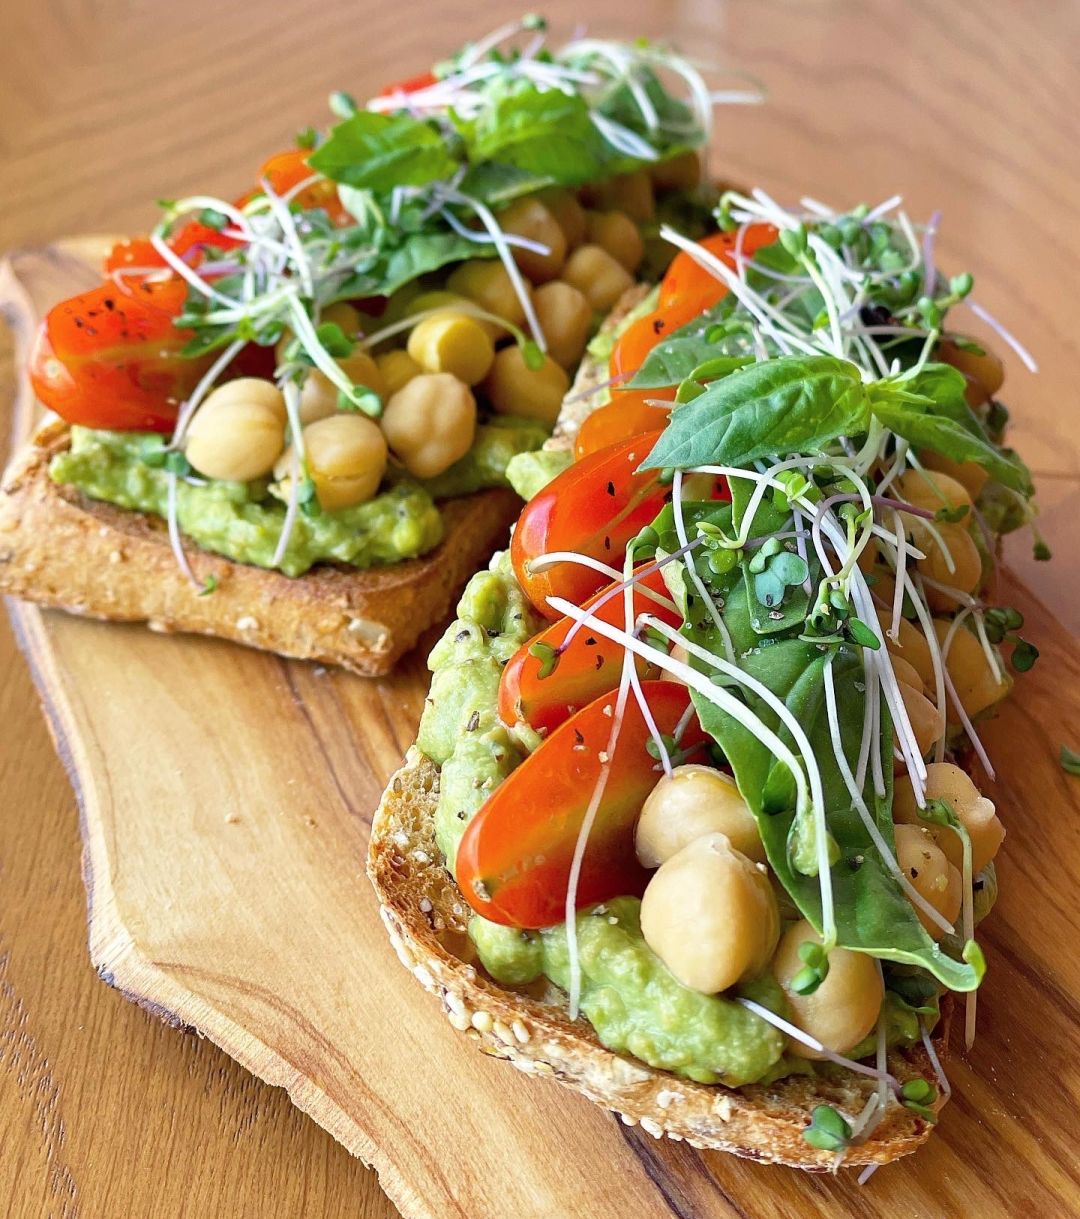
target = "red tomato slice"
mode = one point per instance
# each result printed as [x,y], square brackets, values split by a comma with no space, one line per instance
[627,414]
[411,84]
[288,169]
[594,508]
[513,864]
[635,343]
[111,359]
[687,289]
[589,667]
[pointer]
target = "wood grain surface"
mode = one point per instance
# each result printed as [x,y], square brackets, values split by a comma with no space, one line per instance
[105,106]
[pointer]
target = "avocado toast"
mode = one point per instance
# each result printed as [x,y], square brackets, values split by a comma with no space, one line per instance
[703,774]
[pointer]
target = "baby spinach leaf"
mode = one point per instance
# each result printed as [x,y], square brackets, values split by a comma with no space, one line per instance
[381,151]
[776,407]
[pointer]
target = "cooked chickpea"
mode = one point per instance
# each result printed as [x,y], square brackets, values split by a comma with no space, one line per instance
[931,875]
[908,674]
[910,645]
[398,368]
[453,343]
[932,491]
[513,388]
[843,1009]
[710,915]
[968,666]
[564,206]
[618,234]
[529,218]
[680,172]
[346,458]
[985,374]
[238,432]
[692,801]
[319,395]
[975,812]
[430,423]
[487,283]
[969,473]
[927,722]
[966,561]
[631,193]
[566,318]
[439,302]
[598,276]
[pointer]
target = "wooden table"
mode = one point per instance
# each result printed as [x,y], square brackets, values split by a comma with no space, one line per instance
[968,107]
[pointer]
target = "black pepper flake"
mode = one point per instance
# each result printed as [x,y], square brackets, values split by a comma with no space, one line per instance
[607,543]
[979,885]
[578,736]
[109,303]
[492,633]
[914,873]
[599,661]
[474,722]
[78,323]
[610,488]
[462,635]
[590,642]
[658,325]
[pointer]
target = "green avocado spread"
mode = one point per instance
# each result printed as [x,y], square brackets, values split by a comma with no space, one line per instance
[243,521]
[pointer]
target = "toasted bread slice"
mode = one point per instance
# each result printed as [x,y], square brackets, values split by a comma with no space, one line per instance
[426,917]
[60,548]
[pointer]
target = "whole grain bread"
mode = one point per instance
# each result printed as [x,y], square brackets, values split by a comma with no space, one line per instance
[59,548]
[426,917]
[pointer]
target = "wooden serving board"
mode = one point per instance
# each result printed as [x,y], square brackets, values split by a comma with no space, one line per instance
[226,799]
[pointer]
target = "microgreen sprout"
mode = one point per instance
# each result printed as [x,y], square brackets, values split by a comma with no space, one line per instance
[828,1130]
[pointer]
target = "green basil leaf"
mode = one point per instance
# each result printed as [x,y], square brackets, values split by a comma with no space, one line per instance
[420,253]
[771,409]
[380,151]
[496,184]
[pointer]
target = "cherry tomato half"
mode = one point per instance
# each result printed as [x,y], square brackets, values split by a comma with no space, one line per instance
[111,359]
[593,508]
[514,860]
[587,668]
[411,84]
[627,414]
[687,289]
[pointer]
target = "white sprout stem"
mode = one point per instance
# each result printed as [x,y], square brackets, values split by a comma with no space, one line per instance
[285,536]
[901,567]
[287,224]
[691,567]
[954,697]
[183,270]
[987,317]
[205,384]
[935,1062]
[324,362]
[511,239]
[871,696]
[552,557]
[175,538]
[635,681]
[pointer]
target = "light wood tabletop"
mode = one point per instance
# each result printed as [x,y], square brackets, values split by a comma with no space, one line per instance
[968,107]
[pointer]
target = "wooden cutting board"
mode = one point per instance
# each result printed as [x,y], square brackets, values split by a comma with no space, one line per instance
[226,799]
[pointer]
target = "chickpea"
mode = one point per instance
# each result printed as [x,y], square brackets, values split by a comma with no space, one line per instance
[346,457]
[565,317]
[529,218]
[910,645]
[453,343]
[451,302]
[513,388]
[932,491]
[710,915]
[430,423]
[238,432]
[966,561]
[598,276]
[319,395]
[680,172]
[969,473]
[975,812]
[968,666]
[569,213]
[844,1008]
[908,674]
[631,193]
[927,722]
[984,373]
[618,234]
[931,875]
[398,368]
[487,283]
[692,801]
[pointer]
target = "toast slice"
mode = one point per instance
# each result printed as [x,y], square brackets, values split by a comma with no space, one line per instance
[62,549]
[426,917]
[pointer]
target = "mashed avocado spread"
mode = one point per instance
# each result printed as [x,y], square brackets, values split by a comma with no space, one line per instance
[243,521]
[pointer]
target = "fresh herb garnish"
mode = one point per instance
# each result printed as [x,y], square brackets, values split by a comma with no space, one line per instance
[828,1129]
[1070,760]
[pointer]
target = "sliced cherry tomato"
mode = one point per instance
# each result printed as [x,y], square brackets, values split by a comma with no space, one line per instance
[111,359]
[189,241]
[635,343]
[688,289]
[513,863]
[627,414]
[286,170]
[594,508]
[411,84]
[586,669]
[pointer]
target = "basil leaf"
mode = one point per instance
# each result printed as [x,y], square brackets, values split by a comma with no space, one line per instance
[770,409]
[420,253]
[674,359]
[496,184]
[380,151]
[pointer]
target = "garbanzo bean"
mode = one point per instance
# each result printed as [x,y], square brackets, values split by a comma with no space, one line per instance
[967,665]
[969,473]
[487,283]
[238,432]
[985,374]
[910,645]
[430,423]
[967,568]
[453,343]
[844,1008]
[631,193]
[927,722]
[908,674]
[618,234]
[598,276]
[529,218]
[398,368]
[319,395]
[931,875]
[346,458]
[680,172]
[933,490]
[692,801]
[710,915]
[975,812]
[564,206]
[565,317]
[513,388]
[450,302]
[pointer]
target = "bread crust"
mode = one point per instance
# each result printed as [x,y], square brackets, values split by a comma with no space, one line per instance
[426,916]
[61,549]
